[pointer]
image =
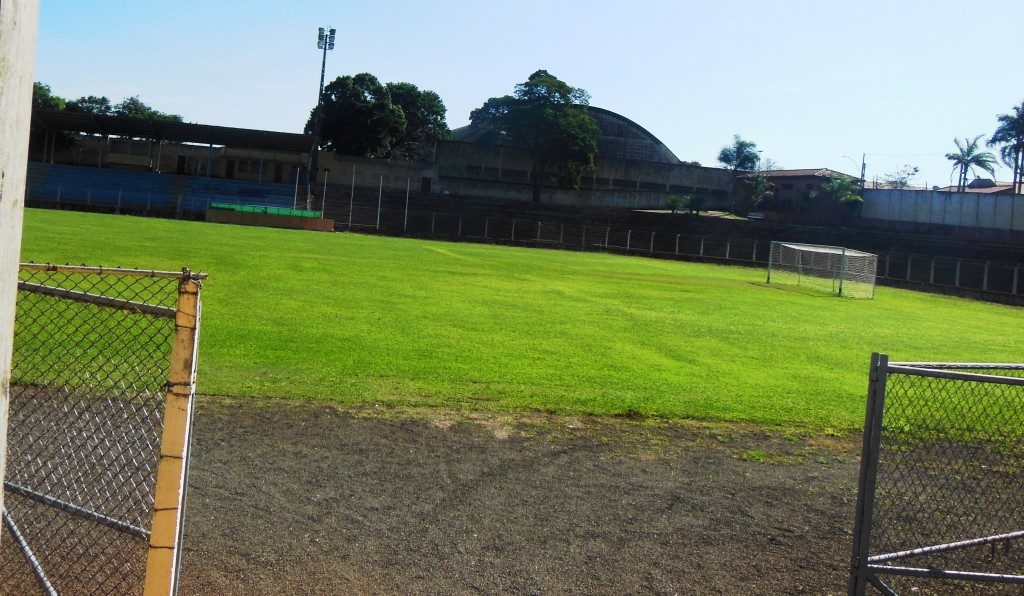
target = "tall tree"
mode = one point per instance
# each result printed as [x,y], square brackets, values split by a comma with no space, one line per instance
[135,108]
[424,120]
[1010,137]
[359,117]
[546,117]
[741,155]
[91,104]
[43,98]
[968,155]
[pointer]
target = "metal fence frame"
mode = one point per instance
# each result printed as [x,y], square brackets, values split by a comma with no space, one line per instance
[162,539]
[867,568]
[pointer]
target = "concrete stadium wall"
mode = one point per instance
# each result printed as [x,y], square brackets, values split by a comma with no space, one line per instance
[18,19]
[503,173]
[967,210]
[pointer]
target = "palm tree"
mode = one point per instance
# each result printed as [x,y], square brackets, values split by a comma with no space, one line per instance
[1010,134]
[741,155]
[967,157]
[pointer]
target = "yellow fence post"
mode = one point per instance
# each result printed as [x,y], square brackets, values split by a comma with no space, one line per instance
[164,543]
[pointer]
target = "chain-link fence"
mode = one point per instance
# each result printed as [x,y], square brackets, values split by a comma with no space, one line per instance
[941,495]
[101,393]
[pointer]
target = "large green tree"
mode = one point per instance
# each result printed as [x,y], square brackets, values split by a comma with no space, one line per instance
[547,118]
[967,157]
[135,108]
[358,117]
[1009,136]
[90,104]
[43,98]
[842,189]
[362,116]
[740,156]
[424,120]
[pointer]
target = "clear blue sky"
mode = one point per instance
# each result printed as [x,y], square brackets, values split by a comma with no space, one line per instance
[809,82]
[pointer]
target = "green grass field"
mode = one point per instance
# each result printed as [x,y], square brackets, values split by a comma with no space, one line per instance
[351,318]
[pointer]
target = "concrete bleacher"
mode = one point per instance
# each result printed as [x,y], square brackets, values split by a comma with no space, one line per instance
[76,185]
[148,192]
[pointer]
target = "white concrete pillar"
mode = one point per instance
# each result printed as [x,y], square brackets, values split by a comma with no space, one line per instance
[18,19]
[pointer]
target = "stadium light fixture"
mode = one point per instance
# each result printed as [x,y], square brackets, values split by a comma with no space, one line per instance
[325,42]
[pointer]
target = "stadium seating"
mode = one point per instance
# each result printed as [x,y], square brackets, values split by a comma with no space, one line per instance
[146,191]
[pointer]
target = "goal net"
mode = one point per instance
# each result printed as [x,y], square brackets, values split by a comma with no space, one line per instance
[834,269]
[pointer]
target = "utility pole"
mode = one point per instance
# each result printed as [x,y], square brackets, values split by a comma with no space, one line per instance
[324,41]
[863,168]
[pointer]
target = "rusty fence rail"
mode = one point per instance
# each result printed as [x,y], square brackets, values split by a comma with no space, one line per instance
[102,384]
[941,492]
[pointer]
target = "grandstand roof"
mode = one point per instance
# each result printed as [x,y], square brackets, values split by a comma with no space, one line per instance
[180,132]
[620,138]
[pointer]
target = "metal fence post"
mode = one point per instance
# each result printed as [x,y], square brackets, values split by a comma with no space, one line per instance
[118,210]
[984,277]
[629,234]
[351,196]
[931,272]
[460,226]
[513,230]
[956,282]
[677,243]
[607,235]
[583,242]
[753,253]
[887,266]
[172,471]
[380,197]
[405,224]
[561,233]
[910,265]
[701,250]
[433,219]
[858,578]
[149,201]
[487,224]
[651,250]
[727,241]
[1016,278]
[58,194]
[538,231]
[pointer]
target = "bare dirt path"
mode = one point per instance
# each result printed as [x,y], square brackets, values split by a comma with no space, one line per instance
[292,498]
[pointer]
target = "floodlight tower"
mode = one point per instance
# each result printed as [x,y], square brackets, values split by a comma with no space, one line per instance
[324,41]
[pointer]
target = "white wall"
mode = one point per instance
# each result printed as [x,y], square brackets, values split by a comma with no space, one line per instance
[969,210]
[18,20]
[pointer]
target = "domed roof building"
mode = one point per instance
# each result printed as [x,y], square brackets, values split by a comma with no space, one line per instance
[621,138]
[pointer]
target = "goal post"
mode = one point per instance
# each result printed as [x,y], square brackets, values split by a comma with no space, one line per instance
[833,269]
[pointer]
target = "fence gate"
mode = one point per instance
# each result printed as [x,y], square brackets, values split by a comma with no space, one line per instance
[102,380]
[941,495]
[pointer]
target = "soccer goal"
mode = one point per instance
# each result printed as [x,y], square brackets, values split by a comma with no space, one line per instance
[841,271]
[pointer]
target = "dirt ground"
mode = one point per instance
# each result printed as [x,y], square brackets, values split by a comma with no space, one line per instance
[289,498]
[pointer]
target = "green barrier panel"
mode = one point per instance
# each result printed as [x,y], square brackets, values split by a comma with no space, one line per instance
[267,210]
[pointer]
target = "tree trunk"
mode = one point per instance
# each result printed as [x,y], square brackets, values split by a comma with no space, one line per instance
[1018,170]
[732,190]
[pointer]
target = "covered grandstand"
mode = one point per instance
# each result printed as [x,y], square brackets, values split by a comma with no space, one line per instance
[130,164]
